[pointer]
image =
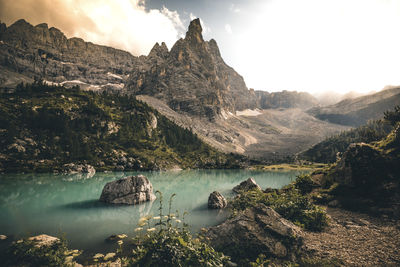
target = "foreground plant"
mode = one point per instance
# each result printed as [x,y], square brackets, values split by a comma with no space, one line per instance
[291,202]
[169,243]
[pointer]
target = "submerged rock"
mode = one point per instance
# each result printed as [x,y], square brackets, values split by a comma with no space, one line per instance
[258,230]
[247,185]
[130,190]
[216,201]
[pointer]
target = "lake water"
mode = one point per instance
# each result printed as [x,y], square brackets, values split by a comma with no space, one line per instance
[33,204]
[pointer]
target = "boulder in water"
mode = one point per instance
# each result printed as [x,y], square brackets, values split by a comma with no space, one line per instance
[216,201]
[130,190]
[247,185]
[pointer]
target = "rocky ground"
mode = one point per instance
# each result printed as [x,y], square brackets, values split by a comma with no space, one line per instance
[356,240]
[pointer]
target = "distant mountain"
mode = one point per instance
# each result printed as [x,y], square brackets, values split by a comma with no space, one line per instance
[357,111]
[285,99]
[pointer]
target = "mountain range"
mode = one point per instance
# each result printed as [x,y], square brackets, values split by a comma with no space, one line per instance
[190,84]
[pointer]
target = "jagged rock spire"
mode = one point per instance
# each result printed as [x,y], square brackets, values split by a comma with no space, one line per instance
[194,33]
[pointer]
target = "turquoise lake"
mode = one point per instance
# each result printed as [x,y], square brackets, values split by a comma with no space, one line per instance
[33,204]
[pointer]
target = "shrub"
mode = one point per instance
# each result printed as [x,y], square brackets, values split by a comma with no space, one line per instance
[172,244]
[289,203]
[304,183]
[25,253]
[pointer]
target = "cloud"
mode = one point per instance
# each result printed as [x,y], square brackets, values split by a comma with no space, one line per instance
[233,8]
[228,28]
[124,24]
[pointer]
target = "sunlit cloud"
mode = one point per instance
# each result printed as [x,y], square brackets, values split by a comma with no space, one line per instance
[316,45]
[124,24]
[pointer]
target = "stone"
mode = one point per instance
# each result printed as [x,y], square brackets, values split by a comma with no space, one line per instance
[247,185]
[72,168]
[43,240]
[258,230]
[130,190]
[216,201]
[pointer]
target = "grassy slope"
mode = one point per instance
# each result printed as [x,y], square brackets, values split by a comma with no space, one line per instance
[43,127]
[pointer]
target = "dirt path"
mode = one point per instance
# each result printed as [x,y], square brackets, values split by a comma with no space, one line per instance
[357,240]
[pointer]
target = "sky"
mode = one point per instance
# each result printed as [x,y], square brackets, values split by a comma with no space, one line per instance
[309,45]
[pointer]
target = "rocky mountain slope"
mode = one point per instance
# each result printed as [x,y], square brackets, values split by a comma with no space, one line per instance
[46,128]
[357,111]
[28,51]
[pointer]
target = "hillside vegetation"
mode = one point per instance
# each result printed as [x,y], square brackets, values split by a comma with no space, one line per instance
[44,127]
[327,150]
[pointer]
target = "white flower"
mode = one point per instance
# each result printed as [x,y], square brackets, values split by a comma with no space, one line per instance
[138,229]
[178,221]
[120,242]
[151,229]
[156,218]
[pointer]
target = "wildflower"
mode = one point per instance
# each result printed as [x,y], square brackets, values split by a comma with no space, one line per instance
[142,224]
[156,218]
[138,229]
[120,242]
[143,219]
[122,236]
[178,221]
[165,217]
[151,229]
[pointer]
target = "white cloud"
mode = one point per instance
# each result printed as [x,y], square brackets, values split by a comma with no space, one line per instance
[316,45]
[233,8]
[124,24]
[228,28]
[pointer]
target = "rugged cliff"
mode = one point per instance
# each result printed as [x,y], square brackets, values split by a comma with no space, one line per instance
[28,51]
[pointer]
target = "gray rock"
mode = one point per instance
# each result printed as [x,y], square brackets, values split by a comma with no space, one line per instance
[255,231]
[130,190]
[43,240]
[72,168]
[216,201]
[247,185]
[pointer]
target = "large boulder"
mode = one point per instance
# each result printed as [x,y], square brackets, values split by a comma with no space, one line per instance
[258,230]
[216,201]
[129,190]
[247,185]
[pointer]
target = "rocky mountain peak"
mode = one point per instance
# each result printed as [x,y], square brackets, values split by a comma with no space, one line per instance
[159,50]
[194,34]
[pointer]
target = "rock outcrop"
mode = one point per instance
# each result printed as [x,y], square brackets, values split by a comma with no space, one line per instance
[216,201]
[255,231]
[43,240]
[191,78]
[129,190]
[72,168]
[247,185]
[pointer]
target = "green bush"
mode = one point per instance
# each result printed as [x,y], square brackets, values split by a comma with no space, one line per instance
[289,203]
[304,183]
[171,244]
[25,253]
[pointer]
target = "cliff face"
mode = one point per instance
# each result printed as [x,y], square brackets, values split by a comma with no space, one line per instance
[28,51]
[191,78]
